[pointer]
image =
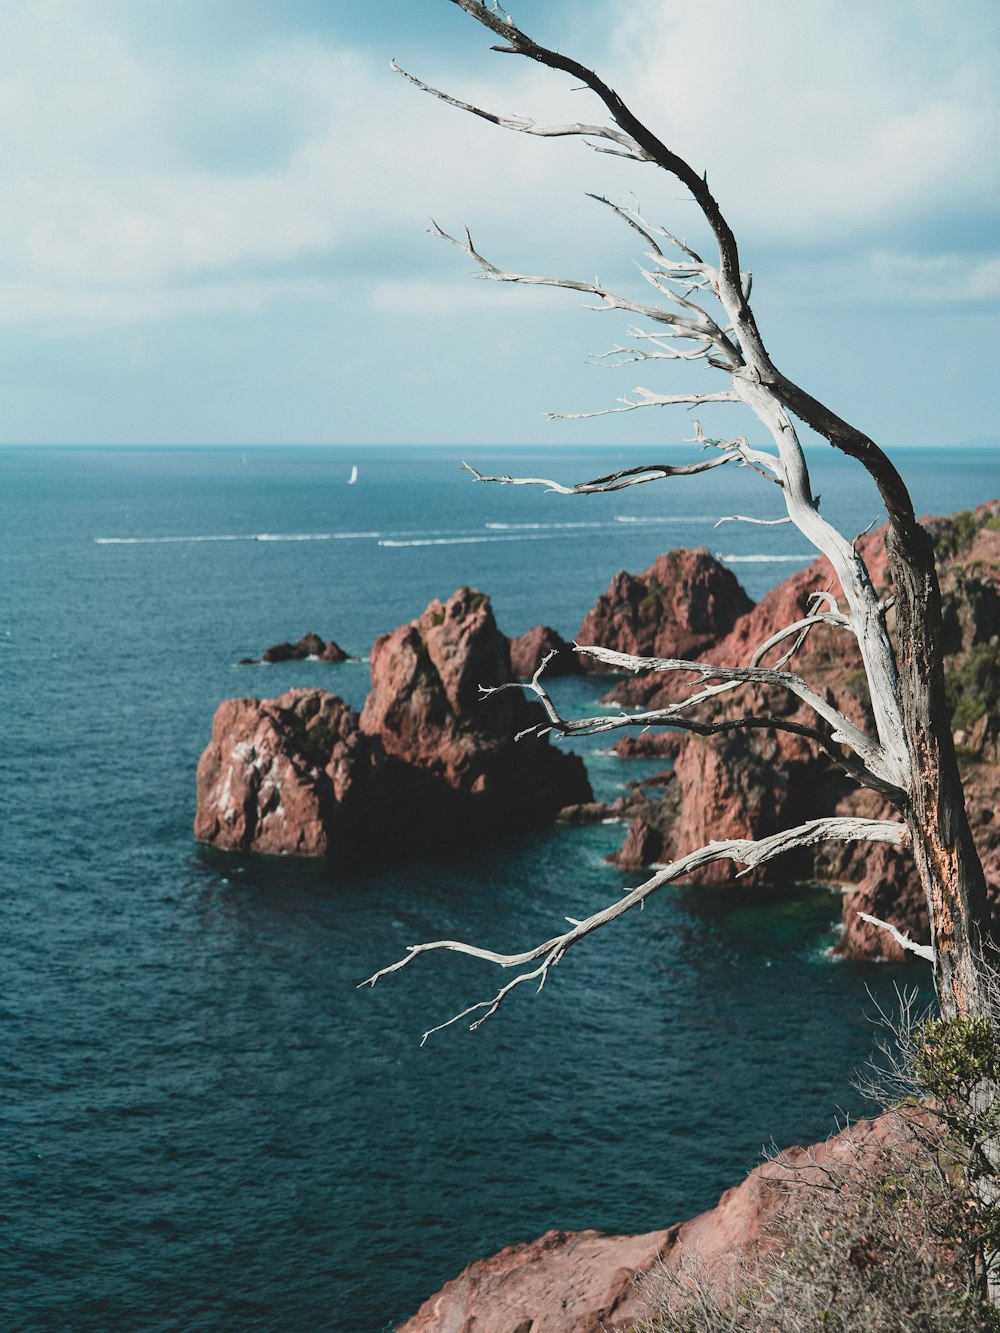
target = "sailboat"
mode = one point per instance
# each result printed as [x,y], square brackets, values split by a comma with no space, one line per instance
[354,476]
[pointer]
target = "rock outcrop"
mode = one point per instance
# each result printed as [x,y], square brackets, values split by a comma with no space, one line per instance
[310,645]
[290,775]
[684,602]
[427,708]
[749,784]
[585,1281]
[429,760]
[529,649]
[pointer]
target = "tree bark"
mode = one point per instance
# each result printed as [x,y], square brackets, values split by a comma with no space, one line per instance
[946,857]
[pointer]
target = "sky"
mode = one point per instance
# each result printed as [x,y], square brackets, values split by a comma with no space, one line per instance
[214,215]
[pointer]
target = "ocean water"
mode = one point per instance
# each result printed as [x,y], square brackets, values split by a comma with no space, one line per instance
[205,1124]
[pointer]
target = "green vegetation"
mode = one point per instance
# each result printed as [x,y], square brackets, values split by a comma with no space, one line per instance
[973,687]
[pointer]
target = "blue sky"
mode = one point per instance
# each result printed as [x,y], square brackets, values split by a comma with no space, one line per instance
[214,214]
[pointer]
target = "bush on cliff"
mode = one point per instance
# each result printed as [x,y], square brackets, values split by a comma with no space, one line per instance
[899,1234]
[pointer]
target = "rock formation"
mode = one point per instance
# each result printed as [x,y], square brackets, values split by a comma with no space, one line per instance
[527,651]
[427,708]
[292,775]
[310,645]
[585,1281]
[745,784]
[684,602]
[429,759]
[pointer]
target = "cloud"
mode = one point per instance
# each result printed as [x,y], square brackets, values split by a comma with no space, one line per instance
[146,183]
[820,123]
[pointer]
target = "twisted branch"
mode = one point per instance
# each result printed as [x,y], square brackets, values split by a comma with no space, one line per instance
[748,852]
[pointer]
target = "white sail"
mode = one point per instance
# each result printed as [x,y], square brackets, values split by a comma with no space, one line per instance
[353,477]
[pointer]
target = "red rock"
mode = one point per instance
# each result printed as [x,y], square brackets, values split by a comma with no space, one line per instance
[585,1282]
[282,775]
[332,652]
[429,761]
[310,645]
[751,784]
[643,845]
[528,650]
[427,709]
[650,744]
[891,891]
[683,603]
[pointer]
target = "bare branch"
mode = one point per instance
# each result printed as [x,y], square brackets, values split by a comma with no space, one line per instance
[800,628]
[747,852]
[525,125]
[761,522]
[845,731]
[699,327]
[921,950]
[615,481]
[648,399]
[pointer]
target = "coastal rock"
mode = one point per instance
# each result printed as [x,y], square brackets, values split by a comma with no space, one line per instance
[643,845]
[527,651]
[429,759]
[889,890]
[748,784]
[289,775]
[650,745]
[427,709]
[310,645]
[681,604]
[585,1281]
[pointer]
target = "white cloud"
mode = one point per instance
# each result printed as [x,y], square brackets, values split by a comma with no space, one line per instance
[820,121]
[137,184]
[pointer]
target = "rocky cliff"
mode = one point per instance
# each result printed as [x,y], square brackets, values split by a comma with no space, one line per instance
[585,1282]
[429,760]
[683,603]
[750,784]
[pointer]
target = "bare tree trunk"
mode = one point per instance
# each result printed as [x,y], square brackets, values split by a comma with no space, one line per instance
[946,858]
[911,756]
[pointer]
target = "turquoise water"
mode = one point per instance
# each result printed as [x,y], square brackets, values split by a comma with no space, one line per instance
[206,1125]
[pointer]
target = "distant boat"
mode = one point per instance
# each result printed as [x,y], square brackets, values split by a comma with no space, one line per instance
[353,477]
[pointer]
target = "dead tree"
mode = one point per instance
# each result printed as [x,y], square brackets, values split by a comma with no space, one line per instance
[701,312]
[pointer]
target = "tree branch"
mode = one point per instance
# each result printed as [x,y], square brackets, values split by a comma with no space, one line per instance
[615,481]
[868,750]
[525,125]
[921,950]
[749,853]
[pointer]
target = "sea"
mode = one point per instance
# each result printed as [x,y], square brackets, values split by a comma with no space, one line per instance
[206,1124]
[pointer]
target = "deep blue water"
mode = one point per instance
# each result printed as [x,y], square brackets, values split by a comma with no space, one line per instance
[206,1125]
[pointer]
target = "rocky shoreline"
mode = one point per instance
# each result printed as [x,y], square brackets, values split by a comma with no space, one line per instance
[428,757]
[306,775]
[592,1282]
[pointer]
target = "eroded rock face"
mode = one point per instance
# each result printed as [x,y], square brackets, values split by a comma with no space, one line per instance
[749,784]
[428,711]
[683,603]
[529,649]
[428,761]
[585,1282]
[288,775]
